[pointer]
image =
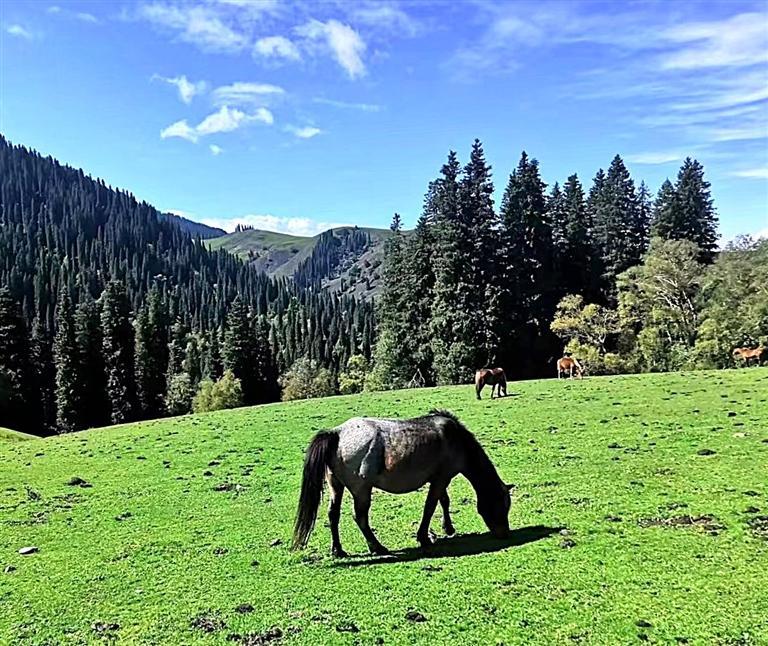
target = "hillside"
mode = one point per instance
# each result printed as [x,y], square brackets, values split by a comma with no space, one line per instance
[355,272]
[194,229]
[7,435]
[640,513]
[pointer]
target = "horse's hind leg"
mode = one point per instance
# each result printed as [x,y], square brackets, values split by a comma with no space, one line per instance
[362,506]
[445,503]
[334,513]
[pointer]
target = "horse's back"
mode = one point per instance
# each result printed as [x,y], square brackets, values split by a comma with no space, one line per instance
[390,454]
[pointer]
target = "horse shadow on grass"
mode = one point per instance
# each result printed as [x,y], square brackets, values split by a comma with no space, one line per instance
[464,545]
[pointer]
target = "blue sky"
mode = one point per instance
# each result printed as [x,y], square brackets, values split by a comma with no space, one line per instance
[297,116]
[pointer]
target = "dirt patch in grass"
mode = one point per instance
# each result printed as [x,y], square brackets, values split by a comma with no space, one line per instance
[707,523]
[207,622]
[759,526]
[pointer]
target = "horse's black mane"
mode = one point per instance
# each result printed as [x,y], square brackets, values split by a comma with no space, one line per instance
[441,412]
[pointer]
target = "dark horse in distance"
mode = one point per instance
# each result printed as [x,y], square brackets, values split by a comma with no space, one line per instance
[494,377]
[398,456]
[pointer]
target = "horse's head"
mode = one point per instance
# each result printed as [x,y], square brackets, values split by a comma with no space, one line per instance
[493,507]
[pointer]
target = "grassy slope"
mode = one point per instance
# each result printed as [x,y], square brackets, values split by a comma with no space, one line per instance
[187,549]
[7,435]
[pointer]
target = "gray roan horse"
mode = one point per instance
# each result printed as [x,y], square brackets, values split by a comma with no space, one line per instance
[397,456]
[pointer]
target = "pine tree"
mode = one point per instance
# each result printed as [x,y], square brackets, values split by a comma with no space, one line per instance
[95,412]
[246,354]
[528,296]
[45,376]
[17,397]
[152,355]
[118,348]
[688,213]
[69,372]
[620,224]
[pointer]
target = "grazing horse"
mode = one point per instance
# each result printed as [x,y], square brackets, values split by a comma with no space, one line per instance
[569,364]
[745,354]
[397,456]
[494,377]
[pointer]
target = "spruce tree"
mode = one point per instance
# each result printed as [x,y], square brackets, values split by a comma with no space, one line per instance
[90,351]
[152,355]
[45,375]
[688,213]
[528,295]
[69,372]
[118,352]
[18,405]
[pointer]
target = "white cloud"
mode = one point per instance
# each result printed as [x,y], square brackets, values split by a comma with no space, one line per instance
[54,9]
[344,43]
[200,25]
[385,16]
[276,47]
[654,157]
[187,89]
[242,93]
[752,173]
[19,32]
[226,119]
[179,129]
[736,41]
[215,150]
[292,226]
[86,17]
[364,107]
[306,132]
[762,234]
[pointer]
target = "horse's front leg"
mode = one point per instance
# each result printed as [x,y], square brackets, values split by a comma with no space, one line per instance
[433,497]
[445,503]
[362,506]
[334,513]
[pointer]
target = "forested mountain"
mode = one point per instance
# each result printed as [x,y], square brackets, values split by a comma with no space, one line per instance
[104,304]
[344,259]
[475,286]
[195,229]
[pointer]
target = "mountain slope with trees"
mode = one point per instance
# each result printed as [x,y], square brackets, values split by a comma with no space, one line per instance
[104,304]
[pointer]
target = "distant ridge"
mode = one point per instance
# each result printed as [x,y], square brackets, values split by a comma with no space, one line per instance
[195,229]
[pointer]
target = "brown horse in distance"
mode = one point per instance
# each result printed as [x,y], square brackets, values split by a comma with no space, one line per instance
[494,377]
[745,354]
[569,364]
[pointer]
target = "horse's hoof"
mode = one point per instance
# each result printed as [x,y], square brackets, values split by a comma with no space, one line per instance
[339,553]
[380,551]
[449,531]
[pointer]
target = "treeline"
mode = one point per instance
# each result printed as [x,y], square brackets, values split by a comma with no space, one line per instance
[477,286]
[99,290]
[674,311]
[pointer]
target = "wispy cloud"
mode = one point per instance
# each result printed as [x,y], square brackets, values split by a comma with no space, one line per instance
[200,25]
[655,157]
[226,119]
[305,132]
[385,16]
[733,42]
[364,107]
[187,89]
[245,93]
[752,173]
[19,32]
[297,226]
[341,40]
[215,150]
[276,47]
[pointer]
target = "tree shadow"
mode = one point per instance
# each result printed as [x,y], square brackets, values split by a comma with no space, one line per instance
[464,545]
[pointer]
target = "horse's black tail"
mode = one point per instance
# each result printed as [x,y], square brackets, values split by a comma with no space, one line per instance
[317,460]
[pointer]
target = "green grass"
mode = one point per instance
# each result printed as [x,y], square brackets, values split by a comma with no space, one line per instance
[7,435]
[597,457]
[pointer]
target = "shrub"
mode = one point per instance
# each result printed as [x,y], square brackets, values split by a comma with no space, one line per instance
[227,392]
[307,380]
